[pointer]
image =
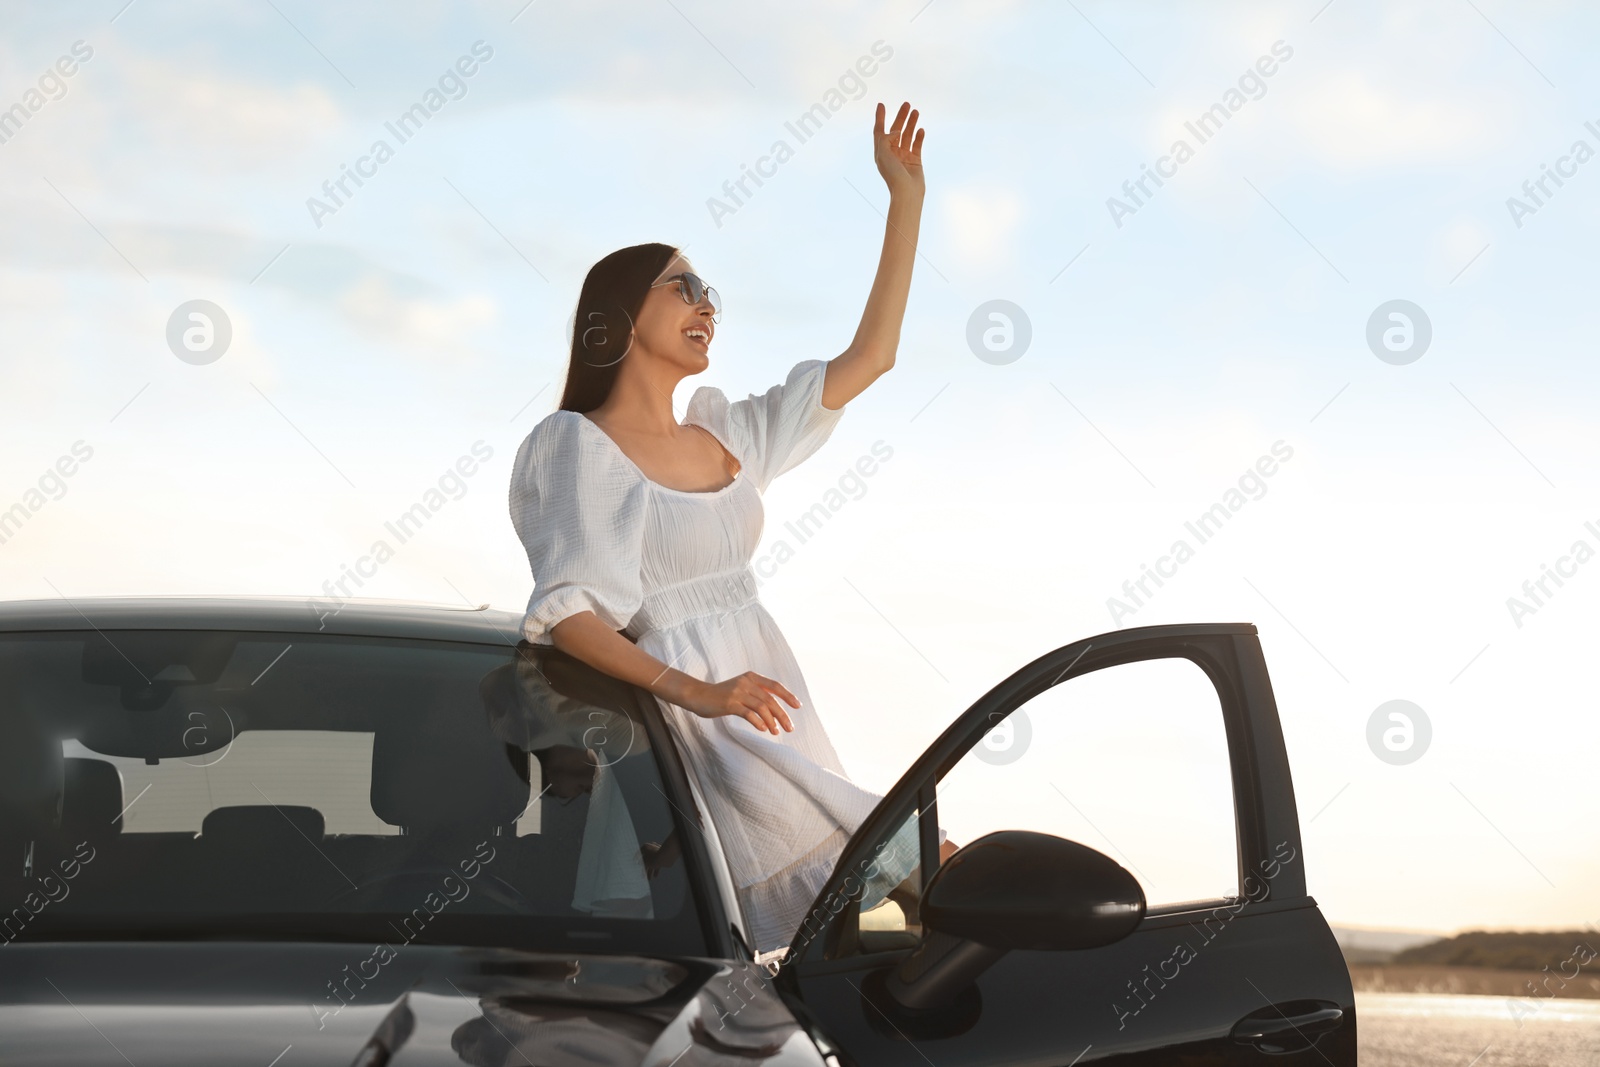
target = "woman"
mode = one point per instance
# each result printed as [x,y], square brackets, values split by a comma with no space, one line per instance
[636,523]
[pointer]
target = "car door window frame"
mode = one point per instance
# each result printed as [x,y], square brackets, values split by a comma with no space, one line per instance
[1264,811]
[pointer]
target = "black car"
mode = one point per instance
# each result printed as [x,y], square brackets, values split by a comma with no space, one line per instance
[236,831]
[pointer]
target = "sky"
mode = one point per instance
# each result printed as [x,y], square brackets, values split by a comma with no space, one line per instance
[1178,335]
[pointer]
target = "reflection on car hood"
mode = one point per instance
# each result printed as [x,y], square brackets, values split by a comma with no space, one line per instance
[296,1005]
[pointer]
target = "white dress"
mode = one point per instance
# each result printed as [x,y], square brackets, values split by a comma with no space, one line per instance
[671,569]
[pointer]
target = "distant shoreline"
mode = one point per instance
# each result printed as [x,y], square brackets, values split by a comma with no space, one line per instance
[1479,981]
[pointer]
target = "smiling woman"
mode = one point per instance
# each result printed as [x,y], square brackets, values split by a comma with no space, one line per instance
[640,532]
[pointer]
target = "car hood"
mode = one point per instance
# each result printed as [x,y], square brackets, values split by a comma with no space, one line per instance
[296,1005]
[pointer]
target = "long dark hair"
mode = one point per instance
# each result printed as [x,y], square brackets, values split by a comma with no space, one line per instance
[602,329]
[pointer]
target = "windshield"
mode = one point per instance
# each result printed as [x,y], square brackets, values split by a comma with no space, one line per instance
[221,784]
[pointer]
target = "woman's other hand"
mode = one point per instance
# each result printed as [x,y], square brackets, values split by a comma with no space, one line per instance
[898,152]
[751,696]
[656,856]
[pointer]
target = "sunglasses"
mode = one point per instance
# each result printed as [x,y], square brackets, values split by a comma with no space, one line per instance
[693,289]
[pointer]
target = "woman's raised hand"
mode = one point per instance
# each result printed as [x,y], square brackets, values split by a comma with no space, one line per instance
[898,152]
[749,696]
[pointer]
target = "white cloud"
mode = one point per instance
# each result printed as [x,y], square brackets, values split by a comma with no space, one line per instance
[213,122]
[426,325]
[983,223]
[1349,120]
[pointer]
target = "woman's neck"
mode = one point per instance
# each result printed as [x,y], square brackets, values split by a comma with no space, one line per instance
[641,399]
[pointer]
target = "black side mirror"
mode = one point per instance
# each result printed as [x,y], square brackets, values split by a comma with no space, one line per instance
[1014,889]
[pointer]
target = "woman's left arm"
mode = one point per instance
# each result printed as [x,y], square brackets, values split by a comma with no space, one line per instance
[898,154]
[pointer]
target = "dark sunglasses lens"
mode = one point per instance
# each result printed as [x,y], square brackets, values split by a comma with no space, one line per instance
[695,289]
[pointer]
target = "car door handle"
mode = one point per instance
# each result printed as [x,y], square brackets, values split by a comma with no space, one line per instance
[1275,1029]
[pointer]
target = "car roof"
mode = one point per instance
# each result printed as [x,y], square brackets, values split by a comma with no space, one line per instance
[362,617]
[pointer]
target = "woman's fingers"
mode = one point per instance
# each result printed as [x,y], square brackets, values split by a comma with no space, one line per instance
[767,722]
[893,133]
[774,711]
[899,120]
[769,687]
[761,719]
[757,708]
[754,698]
[776,687]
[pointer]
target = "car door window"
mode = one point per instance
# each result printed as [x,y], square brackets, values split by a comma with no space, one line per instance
[1131,760]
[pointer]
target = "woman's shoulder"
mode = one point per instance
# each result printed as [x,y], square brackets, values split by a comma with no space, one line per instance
[551,432]
[802,375]
[708,407]
[711,408]
[557,425]
[569,438]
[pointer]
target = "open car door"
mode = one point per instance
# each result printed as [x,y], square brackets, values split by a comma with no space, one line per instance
[1030,948]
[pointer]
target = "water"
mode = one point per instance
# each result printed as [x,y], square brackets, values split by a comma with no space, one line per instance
[1437,1030]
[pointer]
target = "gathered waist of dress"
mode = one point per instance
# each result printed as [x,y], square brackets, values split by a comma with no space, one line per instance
[704,594]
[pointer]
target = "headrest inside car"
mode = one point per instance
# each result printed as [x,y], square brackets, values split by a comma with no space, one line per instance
[30,776]
[424,779]
[91,802]
[261,824]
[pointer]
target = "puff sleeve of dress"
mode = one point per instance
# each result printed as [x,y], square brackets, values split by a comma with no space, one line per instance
[775,431]
[580,511]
